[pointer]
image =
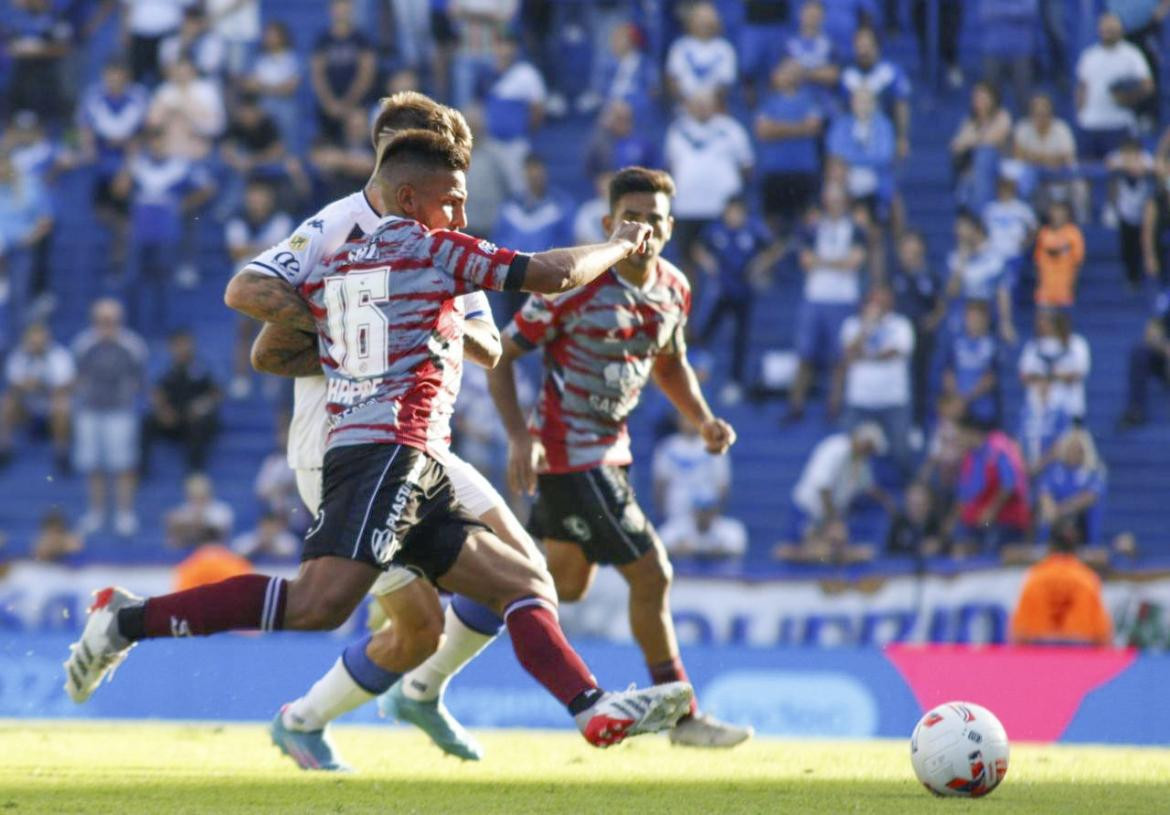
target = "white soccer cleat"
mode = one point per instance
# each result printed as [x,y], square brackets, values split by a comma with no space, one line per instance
[101,648]
[618,715]
[703,730]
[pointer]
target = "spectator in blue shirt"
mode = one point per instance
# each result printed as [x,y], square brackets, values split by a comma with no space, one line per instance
[1008,28]
[971,367]
[38,37]
[26,219]
[886,81]
[788,126]
[626,72]
[342,70]
[864,140]
[538,218]
[760,38]
[813,50]
[616,143]
[977,273]
[735,250]
[918,296]
[843,18]
[162,189]
[111,114]
[514,107]
[1071,492]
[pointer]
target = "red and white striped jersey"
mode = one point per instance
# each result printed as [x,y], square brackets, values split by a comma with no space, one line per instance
[600,343]
[390,324]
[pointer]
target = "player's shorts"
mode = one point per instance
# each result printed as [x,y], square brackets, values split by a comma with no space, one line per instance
[389,505]
[309,488]
[595,509]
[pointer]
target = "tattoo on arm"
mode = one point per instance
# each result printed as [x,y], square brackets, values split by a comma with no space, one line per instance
[285,351]
[269,300]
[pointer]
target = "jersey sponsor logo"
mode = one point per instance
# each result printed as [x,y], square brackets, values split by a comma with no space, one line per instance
[487,247]
[317,224]
[287,261]
[298,242]
[578,527]
[346,392]
[384,542]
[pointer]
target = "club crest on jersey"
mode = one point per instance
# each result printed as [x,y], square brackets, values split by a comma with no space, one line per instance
[298,242]
[578,527]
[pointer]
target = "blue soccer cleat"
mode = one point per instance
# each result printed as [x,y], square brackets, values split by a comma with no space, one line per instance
[310,749]
[432,718]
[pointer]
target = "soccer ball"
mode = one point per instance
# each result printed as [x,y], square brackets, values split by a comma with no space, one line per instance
[959,749]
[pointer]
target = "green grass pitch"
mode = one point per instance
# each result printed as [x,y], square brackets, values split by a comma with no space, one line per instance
[120,768]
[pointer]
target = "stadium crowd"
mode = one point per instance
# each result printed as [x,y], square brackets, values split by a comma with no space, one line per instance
[787,131]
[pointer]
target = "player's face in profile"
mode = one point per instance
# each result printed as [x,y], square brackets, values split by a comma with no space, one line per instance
[439,199]
[650,208]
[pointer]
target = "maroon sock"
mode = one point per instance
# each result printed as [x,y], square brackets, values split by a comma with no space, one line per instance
[245,602]
[544,652]
[672,671]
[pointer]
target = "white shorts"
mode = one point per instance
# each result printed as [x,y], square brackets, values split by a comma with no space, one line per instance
[105,441]
[472,490]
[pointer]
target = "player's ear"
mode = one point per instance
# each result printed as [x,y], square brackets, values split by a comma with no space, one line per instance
[405,198]
[607,224]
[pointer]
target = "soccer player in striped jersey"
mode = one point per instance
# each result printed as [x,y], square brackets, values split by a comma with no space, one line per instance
[390,331]
[601,344]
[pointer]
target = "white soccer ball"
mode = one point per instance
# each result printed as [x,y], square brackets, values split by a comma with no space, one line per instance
[959,749]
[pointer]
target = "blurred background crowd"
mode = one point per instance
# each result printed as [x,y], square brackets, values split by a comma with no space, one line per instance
[929,242]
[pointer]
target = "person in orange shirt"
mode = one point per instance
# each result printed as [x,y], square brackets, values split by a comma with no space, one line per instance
[1060,251]
[1061,602]
[209,563]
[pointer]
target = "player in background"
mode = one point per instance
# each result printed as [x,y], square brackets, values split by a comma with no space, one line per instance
[393,355]
[601,344]
[414,618]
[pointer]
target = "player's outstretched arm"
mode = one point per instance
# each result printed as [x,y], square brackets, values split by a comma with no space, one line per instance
[674,375]
[270,300]
[559,270]
[284,351]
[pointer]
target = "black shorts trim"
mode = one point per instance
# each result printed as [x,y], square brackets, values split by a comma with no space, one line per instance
[388,504]
[595,509]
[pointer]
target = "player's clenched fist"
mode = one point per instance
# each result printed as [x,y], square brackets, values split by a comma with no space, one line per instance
[633,233]
[718,435]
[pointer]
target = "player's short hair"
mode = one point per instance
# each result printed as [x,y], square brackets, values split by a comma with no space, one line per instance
[639,179]
[422,148]
[411,110]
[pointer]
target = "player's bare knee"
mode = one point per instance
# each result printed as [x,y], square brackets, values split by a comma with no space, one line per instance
[571,588]
[652,577]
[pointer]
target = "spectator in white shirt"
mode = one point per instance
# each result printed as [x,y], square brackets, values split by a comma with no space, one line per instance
[587,222]
[709,154]
[704,533]
[201,518]
[188,111]
[1055,363]
[275,77]
[1112,79]
[1011,227]
[684,471]
[39,375]
[1045,143]
[701,61]
[237,24]
[832,256]
[270,539]
[837,472]
[875,372]
[147,23]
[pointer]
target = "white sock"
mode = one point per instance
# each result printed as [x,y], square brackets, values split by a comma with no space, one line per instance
[332,695]
[460,645]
